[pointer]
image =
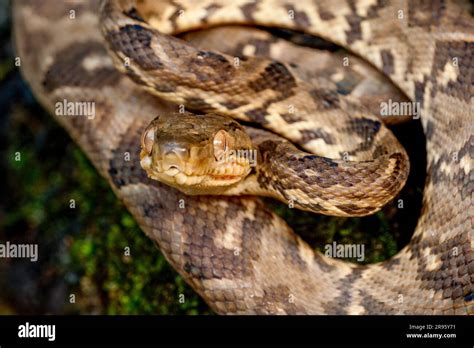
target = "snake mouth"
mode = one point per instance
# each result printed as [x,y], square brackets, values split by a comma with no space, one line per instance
[192,180]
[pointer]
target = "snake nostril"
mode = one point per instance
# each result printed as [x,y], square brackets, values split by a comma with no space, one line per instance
[171,167]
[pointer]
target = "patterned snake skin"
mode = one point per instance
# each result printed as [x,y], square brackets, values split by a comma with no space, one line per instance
[364,165]
[239,256]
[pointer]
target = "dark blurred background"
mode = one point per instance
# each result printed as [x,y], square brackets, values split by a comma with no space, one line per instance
[81,250]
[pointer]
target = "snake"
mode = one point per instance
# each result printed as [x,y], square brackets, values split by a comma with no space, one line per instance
[237,254]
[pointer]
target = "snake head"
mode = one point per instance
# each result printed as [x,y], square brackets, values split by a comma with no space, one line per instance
[197,154]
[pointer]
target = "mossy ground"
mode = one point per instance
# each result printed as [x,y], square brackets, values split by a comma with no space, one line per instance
[83,249]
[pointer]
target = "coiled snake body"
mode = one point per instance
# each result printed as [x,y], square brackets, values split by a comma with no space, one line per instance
[236,254]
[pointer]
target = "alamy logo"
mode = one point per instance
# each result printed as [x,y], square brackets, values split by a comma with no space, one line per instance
[69,108]
[394,108]
[241,155]
[25,251]
[37,331]
[350,251]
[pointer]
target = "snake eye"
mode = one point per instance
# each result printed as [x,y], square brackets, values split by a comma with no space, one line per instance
[148,138]
[220,144]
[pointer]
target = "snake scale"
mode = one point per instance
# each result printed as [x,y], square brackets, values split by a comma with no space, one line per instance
[239,256]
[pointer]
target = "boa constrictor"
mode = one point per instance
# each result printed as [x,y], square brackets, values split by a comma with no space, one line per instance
[239,256]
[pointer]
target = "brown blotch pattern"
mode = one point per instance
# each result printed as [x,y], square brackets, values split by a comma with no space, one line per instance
[262,47]
[353,209]
[204,259]
[373,306]
[328,99]
[339,304]
[159,85]
[445,52]
[322,263]
[197,104]
[276,77]
[258,115]
[274,298]
[458,176]
[292,252]
[299,17]
[293,117]
[210,11]
[429,129]
[426,13]
[388,66]
[134,41]
[379,151]
[248,10]
[282,163]
[175,15]
[209,66]
[390,264]
[420,91]
[453,277]
[364,128]
[231,105]
[355,31]
[68,70]
[324,14]
[310,134]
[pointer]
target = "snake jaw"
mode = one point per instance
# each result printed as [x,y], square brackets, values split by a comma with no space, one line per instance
[208,183]
[195,154]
